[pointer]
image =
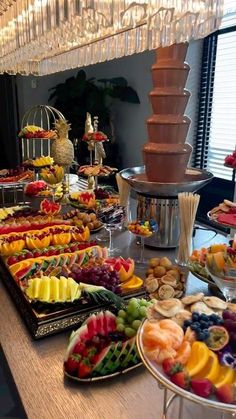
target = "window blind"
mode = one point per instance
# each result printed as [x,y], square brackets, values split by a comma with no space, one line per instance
[216,133]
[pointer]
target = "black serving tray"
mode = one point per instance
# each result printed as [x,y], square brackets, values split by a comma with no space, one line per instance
[41,325]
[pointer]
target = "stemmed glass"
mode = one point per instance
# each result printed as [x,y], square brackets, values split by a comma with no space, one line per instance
[142,229]
[53,177]
[225,281]
[112,217]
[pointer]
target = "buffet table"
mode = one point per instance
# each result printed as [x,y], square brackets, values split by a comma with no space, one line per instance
[37,366]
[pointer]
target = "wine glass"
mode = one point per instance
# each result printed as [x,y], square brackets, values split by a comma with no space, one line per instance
[225,281]
[112,217]
[142,229]
[53,177]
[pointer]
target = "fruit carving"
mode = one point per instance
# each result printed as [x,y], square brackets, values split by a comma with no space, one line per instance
[38,241]
[60,237]
[11,244]
[84,198]
[53,174]
[124,267]
[33,188]
[97,349]
[50,207]
[42,161]
[143,228]
[80,234]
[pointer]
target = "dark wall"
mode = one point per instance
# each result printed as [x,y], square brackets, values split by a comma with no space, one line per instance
[9,151]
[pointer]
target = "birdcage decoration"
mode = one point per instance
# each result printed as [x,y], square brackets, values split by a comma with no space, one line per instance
[37,131]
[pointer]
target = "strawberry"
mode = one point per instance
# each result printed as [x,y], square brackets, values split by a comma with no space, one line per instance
[226,393]
[79,348]
[72,364]
[11,260]
[84,368]
[202,387]
[181,379]
[171,367]
[229,160]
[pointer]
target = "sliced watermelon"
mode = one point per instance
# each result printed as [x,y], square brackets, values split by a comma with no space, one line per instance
[101,324]
[109,323]
[81,335]
[92,325]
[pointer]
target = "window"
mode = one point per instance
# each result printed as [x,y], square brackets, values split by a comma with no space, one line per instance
[216,135]
[216,129]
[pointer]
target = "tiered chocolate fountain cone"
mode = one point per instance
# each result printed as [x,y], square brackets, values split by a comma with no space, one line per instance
[166,154]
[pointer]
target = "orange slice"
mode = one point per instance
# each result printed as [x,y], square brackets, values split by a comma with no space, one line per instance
[134,282]
[226,376]
[211,370]
[198,358]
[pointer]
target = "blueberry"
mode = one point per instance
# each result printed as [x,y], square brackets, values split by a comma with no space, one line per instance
[187,323]
[206,333]
[210,323]
[204,324]
[219,321]
[193,326]
[195,316]
[213,317]
[204,317]
[201,336]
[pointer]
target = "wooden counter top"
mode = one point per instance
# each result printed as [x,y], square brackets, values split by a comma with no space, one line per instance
[37,370]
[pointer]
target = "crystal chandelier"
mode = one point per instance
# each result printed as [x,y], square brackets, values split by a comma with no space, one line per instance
[46,36]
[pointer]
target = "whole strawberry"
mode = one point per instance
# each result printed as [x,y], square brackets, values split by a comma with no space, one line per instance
[202,387]
[181,379]
[226,393]
[171,367]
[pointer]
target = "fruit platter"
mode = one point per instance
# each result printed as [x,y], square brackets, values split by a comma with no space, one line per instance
[189,346]
[83,200]
[55,272]
[12,176]
[81,218]
[224,214]
[33,131]
[38,162]
[104,345]
[219,253]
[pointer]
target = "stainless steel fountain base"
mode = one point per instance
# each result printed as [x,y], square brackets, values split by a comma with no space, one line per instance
[166,214]
[194,180]
[160,201]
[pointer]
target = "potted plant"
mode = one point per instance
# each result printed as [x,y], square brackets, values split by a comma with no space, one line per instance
[78,95]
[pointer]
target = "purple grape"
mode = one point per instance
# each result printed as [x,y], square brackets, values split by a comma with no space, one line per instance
[230,325]
[229,315]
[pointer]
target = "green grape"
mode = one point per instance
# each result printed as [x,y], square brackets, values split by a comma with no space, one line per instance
[129,319]
[143,311]
[136,324]
[132,305]
[122,313]
[120,320]
[120,327]
[130,332]
[143,302]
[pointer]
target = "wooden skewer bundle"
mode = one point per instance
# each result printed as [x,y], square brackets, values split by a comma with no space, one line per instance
[188,204]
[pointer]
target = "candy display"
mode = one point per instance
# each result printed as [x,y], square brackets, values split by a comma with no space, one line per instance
[142,228]
[164,280]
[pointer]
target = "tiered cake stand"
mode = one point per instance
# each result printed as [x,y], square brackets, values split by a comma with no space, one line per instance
[160,201]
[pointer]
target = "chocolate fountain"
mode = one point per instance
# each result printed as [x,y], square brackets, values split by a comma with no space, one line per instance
[166,154]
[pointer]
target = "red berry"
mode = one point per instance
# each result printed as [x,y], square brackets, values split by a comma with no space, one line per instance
[226,393]
[171,367]
[72,364]
[181,379]
[202,387]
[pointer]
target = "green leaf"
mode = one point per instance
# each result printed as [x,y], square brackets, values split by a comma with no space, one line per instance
[119,81]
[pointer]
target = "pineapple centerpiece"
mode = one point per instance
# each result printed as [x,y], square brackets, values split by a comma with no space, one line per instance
[62,147]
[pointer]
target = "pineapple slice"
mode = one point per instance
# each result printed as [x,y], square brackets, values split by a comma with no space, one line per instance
[54,288]
[75,291]
[44,294]
[36,285]
[63,289]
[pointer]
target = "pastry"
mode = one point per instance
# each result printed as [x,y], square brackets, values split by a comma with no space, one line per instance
[168,308]
[180,317]
[215,302]
[200,307]
[165,292]
[190,299]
